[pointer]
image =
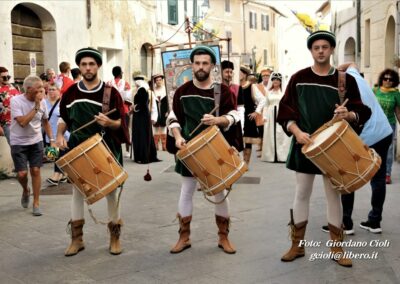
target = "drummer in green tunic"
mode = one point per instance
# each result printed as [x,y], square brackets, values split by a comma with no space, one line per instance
[192,103]
[312,99]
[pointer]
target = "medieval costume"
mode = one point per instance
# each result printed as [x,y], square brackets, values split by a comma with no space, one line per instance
[253,101]
[311,100]
[275,142]
[144,148]
[78,106]
[161,101]
[190,104]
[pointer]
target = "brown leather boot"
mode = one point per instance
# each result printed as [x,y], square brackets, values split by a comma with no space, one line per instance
[337,237]
[297,232]
[223,231]
[76,237]
[115,232]
[246,155]
[184,234]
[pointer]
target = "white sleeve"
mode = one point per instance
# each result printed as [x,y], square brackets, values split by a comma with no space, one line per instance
[259,97]
[233,117]
[154,111]
[172,122]
[127,95]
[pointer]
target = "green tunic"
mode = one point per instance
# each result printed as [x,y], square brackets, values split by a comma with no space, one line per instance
[79,106]
[190,104]
[310,101]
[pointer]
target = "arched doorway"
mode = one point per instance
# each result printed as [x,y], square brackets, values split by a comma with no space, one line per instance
[390,43]
[34,40]
[350,50]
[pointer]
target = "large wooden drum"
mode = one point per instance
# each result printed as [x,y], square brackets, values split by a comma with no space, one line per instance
[212,161]
[92,168]
[342,156]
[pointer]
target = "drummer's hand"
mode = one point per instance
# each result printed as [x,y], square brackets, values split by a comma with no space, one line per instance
[180,142]
[103,120]
[342,113]
[252,115]
[209,119]
[61,142]
[303,137]
[53,144]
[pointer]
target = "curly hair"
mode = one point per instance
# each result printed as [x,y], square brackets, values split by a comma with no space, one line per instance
[392,73]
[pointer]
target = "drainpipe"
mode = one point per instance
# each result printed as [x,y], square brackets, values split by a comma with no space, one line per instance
[245,2]
[88,14]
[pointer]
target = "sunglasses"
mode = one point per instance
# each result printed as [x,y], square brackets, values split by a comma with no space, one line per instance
[6,78]
[390,79]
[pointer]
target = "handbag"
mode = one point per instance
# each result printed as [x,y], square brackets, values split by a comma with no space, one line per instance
[259,120]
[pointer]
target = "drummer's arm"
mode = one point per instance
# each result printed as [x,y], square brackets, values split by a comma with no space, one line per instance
[224,121]
[179,140]
[174,129]
[301,137]
[105,121]
[61,129]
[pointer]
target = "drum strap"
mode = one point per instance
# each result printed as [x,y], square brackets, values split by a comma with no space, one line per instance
[342,86]
[106,99]
[217,96]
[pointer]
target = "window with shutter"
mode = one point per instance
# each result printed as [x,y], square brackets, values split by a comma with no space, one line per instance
[172,12]
[265,57]
[227,5]
[250,20]
[262,22]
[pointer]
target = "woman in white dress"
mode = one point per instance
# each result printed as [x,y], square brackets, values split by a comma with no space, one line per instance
[275,142]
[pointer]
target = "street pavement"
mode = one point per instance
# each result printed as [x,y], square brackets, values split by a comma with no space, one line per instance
[32,248]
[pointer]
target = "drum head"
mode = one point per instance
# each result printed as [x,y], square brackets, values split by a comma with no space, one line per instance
[323,136]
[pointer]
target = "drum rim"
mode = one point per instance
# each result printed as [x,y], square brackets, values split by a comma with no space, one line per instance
[187,151]
[344,125]
[120,179]
[231,175]
[61,162]
[360,179]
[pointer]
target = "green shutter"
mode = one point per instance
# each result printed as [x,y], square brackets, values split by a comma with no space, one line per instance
[172,12]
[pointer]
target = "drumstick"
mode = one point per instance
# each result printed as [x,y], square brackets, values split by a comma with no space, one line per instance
[93,121]
[344,103]
[201,123]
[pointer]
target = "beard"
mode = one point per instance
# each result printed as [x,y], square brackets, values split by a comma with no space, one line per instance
[228,79]
[89,76]
[201,75]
